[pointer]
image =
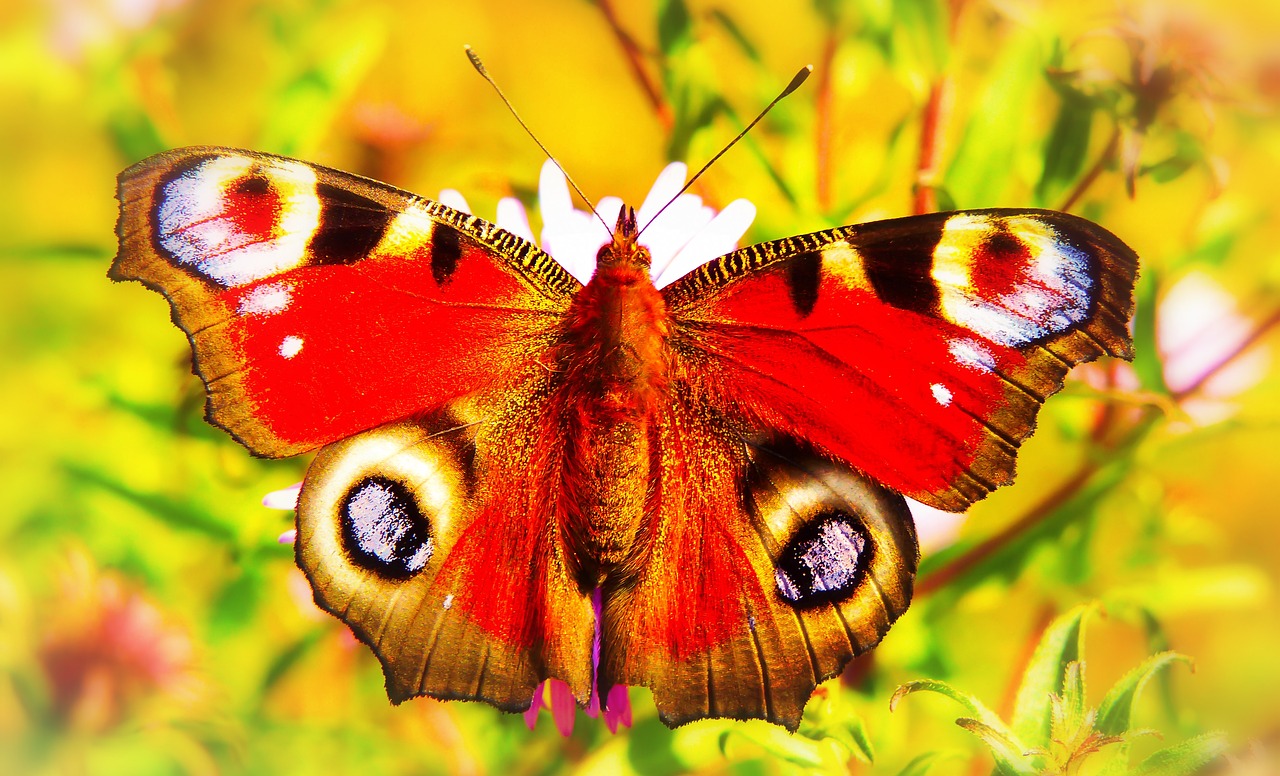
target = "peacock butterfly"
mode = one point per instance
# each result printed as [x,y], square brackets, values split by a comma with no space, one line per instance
[724,459]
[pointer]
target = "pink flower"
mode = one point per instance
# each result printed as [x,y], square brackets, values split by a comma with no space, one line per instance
[555,694]
[1200,333]
[105,647]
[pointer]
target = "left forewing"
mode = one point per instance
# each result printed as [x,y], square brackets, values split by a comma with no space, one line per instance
[319,304]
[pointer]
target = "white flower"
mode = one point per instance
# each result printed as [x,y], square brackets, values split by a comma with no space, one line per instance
[686,235]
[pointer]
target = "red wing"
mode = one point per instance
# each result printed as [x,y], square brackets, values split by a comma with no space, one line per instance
[320,304]
[762,569]
[916,350]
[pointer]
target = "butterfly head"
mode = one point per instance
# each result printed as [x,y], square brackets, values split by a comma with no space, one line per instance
[624,249]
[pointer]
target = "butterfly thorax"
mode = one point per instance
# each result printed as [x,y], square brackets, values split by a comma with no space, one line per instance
[615,357]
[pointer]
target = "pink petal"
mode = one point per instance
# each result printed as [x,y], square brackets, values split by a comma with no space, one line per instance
[563,707]
[288,537]
[531,716]
[618,708]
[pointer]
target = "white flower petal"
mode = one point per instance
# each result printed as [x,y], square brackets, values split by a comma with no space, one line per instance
[553,196]
[669,181]
[573,243]
[513,218]
[454,199]
[608,208]
[718,238]
[685,235]
[283,499]
[935,529]
[674,228]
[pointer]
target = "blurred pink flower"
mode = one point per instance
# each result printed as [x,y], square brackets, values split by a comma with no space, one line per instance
[105,647]
[1201,332]
[79,26]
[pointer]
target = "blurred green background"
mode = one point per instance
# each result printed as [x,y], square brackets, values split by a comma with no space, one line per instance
[150,623]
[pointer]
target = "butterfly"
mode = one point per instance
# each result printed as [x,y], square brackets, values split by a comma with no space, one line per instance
[722,461]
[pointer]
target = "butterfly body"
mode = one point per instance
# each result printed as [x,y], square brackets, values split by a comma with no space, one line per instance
[722,460]
[612,370]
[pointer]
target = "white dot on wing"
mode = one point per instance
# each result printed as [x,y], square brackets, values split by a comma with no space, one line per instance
[265,300]
[290,346]
[941,394]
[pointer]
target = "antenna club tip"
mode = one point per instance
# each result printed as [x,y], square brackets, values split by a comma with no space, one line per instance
[797,80]
[475,59]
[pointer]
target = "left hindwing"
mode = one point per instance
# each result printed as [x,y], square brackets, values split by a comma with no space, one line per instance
[916,350]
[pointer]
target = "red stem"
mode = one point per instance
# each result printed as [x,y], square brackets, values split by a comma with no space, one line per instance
[985,549]
[1108,154]
[925,197]
[824,101]
[636,60]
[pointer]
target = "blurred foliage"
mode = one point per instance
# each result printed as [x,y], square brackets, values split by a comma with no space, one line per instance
[1053,732]
[149,620]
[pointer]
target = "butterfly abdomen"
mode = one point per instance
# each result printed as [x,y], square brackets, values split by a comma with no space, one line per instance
[614,355]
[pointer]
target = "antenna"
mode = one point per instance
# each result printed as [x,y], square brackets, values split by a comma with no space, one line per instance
[791,87]
[479,66]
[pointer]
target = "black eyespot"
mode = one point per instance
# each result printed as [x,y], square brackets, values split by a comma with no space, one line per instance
[824,561]
[383,528]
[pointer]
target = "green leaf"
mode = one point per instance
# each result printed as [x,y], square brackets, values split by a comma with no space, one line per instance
[1185,758]
[1146,362]
[287,658]
[858,732]
[921,765]
[675,27]
[1071,704]
[988,150]
[735,32]
[134,133]
[975,707]
[1062,643]
[919,34]
[1067,147]
[829,718]
[1115,713]
[1007,561]
[184,515]
[1011,758]
[307,103]
[796,750]
[649,749]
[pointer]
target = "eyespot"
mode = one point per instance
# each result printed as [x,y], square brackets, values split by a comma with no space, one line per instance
[384,529]
[824,561]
